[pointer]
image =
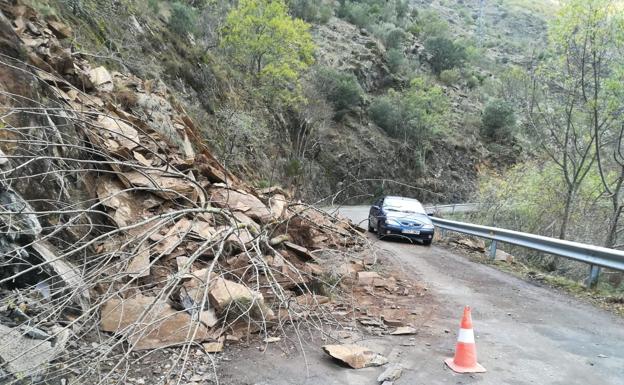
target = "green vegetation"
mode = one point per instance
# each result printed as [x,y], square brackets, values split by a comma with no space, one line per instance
[412,115]
[183,19]
[450,77]
[341,89]
[313,11]
[499,121]
[265,42]
[444,54]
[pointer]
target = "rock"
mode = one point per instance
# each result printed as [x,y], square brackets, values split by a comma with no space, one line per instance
[160,183]
[404,330]
[215,346]
[208,317]
[224,293]
[277,205]
[392,373]
[61,30]
[269,340]
[300,251]
[101,79]
[503,256]
[23,356]
[355,356]
[366,278]
[311,299]
[476,245]
[149,324]
[240,201]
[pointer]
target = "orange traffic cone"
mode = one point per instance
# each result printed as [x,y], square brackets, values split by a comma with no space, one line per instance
[465,360]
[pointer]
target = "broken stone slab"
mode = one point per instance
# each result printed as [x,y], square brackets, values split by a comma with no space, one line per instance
[366,278]
[355,356]
[149,323]
[124,135]
[404,330]
[61,30]
[214,346]
[503,256]
[277,205]
[299,251]
[311,299]
[240,201]
[139,265]
[224,294]
[391,374]
[161,183]
[101,79]
[25,357]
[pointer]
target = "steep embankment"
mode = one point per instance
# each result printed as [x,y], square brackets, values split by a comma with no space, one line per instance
[307,148]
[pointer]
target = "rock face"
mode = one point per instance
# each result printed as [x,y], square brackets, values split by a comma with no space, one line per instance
[343,46]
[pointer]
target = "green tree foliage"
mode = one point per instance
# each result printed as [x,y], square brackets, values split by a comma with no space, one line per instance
[267,43]
[341,89]
[498,121]
[313,11]
[444,54]
[412,115]
[183,19]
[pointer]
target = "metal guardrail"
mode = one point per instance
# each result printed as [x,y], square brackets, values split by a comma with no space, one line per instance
[594,255]
[453,208]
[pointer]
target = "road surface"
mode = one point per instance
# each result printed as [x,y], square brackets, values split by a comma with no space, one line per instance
[526,334]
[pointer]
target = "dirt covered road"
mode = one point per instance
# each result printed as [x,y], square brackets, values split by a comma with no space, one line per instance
[525,334]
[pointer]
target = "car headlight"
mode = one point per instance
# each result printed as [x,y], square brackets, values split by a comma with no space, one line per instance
[428,227]
[393,222]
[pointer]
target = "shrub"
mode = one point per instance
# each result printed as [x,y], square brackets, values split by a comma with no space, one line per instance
[450,77]
[356,13]
[472,82]
[385,112]
[183,19]
[498,120]
[414,114]
[395,38]
[341,89]
[444,54]
[396,61]
[314,11]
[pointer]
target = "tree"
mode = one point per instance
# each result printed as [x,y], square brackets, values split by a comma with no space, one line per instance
[498,120]
[267,43]
[576,104]
[444,54]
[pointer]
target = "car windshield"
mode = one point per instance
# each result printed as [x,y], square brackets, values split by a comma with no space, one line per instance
[404,206]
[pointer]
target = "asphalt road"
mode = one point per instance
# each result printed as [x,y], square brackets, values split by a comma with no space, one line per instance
[525,334]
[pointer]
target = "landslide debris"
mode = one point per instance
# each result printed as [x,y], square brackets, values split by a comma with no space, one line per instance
[121,232]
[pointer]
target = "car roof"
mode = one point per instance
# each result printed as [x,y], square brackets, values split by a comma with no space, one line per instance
[401,198]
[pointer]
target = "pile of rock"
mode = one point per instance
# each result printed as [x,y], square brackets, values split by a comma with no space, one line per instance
[159,243]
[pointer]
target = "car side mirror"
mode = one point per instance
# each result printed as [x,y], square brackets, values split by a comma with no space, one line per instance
[431,214]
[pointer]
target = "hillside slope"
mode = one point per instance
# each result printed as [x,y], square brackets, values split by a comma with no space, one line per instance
[307,148]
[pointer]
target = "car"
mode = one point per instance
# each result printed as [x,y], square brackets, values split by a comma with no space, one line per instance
[394,216]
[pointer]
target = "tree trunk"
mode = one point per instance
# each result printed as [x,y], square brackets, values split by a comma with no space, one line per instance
[566,213]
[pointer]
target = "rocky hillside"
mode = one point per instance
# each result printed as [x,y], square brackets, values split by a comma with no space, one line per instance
[308,148]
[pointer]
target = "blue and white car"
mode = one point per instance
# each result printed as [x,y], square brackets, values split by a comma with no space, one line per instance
[400,217]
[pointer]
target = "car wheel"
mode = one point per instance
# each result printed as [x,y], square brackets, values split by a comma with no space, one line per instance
[370,227]
[427,242]
[380,230]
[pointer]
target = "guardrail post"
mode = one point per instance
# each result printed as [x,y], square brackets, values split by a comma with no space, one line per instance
[493,250]
[594,273]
